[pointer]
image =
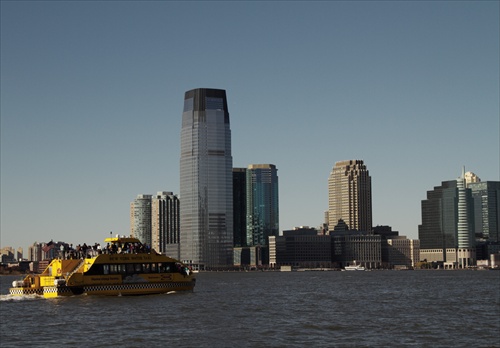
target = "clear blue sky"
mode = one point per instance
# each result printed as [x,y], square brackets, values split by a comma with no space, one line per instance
[92,96]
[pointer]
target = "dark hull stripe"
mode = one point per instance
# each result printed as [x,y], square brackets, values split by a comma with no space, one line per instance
[117,289]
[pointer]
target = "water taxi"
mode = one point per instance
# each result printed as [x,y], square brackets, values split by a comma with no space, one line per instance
[124,267]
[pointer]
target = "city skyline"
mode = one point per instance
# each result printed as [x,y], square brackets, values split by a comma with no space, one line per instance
[90,109]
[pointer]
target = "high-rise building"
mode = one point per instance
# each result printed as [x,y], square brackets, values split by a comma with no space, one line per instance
[165,223]
[486,197]
[466,246]
[206,185]
[470,177]
[446,233]
[140,218]
[262,203]
[239,207]
[35,252]
[350,196]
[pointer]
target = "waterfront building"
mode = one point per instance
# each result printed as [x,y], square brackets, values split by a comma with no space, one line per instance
[307,248]
[466,251]
[251,256]
[360,247]
[262,203]
[350,196]
[165,224]
[446,232]
[385,233]
[140,218]
[239,208]
[206,185]
[486,196]
[403,253]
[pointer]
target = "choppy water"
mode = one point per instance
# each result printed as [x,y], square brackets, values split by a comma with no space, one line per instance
[272,309]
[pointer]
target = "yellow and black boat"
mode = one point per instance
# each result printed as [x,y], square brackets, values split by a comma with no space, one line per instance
[124,267]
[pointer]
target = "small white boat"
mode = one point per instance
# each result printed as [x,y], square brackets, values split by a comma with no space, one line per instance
[355,268]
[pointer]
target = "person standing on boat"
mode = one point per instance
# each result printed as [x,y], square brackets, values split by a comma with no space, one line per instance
[63,253]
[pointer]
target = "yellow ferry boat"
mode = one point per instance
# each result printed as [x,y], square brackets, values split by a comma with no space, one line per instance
[124,268]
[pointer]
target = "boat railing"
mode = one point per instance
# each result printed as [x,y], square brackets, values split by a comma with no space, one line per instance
[82,261]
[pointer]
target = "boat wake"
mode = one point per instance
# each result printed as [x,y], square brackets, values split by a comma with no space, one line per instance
[12,298]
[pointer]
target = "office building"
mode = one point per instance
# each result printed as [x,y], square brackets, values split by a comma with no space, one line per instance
[206,185]
[165,224]
[239,207]
[403,253]
[446,233]
[356,247]
[466,246]
[35,252]
[300,249]
[154,220]
[486,196]
[307,248]
[350,196]
[140,218]
[262,203]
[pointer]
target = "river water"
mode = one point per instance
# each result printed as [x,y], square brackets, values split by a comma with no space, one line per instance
[271,309]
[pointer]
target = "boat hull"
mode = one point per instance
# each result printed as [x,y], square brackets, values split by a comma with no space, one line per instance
[105,290]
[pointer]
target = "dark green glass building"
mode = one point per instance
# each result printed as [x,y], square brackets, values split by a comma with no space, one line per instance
[262,203]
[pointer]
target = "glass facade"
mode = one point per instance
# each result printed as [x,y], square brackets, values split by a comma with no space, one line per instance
[239,207]
[262,203]
[447,223]
[486,197]
[206,181]
[140,215]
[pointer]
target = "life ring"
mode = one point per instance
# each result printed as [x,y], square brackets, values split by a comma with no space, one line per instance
[59,271]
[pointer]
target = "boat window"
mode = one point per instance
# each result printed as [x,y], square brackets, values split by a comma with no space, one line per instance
[153,268]
[130,268]
[95,270]
[122,269]
[105,269]
[113,269]
[146,267]
[138,267]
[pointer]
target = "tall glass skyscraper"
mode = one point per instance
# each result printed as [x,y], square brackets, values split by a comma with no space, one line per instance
[140,218]
[206,184]
[240,207]
[350,196]
[447,230]
[486,197]
[262,203]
